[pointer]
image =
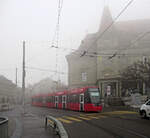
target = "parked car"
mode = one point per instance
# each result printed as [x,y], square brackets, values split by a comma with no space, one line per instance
[145,109]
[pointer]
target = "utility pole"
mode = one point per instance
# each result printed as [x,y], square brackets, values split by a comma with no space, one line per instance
[23,78]
[16,76]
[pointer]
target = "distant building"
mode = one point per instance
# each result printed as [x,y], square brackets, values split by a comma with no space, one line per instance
[9,92]
[45,86]
[101,56]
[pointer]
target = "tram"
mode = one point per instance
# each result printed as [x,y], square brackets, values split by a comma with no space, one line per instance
[85,99]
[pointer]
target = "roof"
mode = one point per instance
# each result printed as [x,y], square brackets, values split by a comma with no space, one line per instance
[72,91]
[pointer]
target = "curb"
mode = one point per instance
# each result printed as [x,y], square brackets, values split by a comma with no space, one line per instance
[56,125]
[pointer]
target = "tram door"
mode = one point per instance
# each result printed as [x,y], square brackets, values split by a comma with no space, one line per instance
[56,101]
[64,101]
[81,100]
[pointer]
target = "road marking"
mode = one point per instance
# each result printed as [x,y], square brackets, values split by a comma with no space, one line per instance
[72,118]
[64,120]
[93,117]
[126,112]
[118,113]
[81,117]
[102,116]
[83,114]
[84,118]
[89,116]
[92,114]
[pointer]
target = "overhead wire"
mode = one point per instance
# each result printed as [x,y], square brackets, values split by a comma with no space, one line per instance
[42,69]
[140,37]
[111,24]
[84,52]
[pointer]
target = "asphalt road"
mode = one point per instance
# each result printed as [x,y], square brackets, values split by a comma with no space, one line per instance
[108,124]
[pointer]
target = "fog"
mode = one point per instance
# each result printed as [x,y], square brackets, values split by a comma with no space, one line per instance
[35,21]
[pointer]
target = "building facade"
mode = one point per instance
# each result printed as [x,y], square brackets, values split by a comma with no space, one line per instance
[9,92]
[103,55]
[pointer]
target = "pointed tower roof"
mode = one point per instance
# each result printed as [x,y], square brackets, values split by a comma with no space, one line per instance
[106,19]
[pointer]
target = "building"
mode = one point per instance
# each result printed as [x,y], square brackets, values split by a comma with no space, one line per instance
[101,56]
[9,92]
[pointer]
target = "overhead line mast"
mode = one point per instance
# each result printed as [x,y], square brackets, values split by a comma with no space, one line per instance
[23,78]
[55,41]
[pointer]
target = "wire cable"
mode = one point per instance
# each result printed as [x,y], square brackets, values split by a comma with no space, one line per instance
[115,19]
[47,70]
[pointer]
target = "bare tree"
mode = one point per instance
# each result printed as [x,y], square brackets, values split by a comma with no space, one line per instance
[138,72]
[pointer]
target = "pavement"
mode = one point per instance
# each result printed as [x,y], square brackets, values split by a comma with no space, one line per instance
[113,122]
[34,127]
[26,125]
[29,125]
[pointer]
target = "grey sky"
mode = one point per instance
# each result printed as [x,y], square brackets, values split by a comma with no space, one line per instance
[35,21]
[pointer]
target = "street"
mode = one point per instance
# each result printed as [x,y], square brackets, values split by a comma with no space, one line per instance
[107,124]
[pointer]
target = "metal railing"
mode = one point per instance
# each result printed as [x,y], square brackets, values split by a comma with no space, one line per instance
[56,125]
[3,127]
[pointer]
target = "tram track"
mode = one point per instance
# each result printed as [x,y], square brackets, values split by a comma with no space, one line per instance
[131,121]
[106,130]
[122,130]
[113,126]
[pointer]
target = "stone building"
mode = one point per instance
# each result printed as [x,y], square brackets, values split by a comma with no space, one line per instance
[101,56]
[9,92]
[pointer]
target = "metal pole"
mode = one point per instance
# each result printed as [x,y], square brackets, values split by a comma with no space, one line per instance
[23,78]
[16,76]
[46,122]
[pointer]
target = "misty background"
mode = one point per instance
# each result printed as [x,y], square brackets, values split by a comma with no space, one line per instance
[35,21]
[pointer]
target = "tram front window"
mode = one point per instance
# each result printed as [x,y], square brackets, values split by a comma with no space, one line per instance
[94,95]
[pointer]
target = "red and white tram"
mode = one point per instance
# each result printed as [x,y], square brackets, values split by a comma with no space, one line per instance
[80,99]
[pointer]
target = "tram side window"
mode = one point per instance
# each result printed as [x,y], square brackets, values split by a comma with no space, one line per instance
[33,100]
[36,99]
[74,98]
[56,98]
[68,98]
[71,99]
[43,99]
[64,98]
[77,98]
[40,99]
[48,99]
[53,99]
[87,98]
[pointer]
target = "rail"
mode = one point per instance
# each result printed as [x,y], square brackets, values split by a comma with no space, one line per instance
[3,127]
[56,125]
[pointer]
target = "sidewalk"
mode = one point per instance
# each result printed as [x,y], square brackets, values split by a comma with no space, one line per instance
[34,127]
[27,125]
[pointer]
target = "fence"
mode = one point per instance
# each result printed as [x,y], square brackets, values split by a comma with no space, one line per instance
[56,125]
[3,127]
